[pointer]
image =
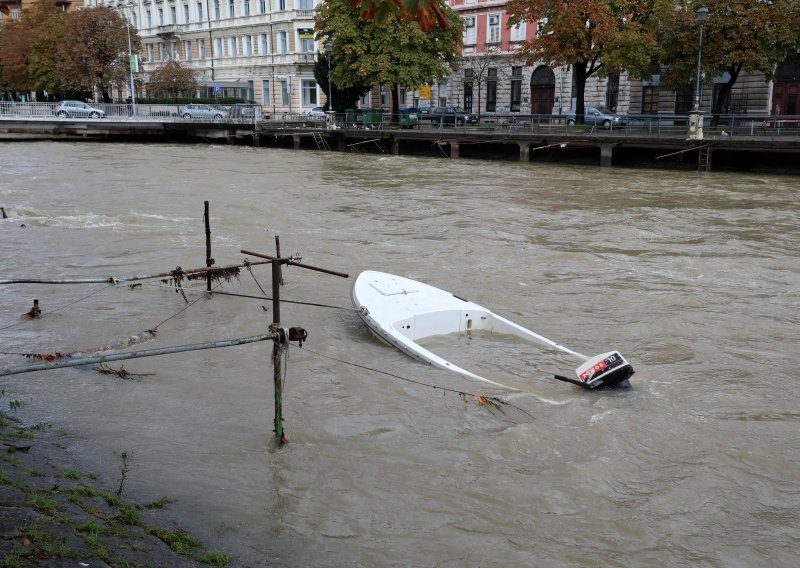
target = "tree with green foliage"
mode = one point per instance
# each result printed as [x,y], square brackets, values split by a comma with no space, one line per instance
[750,36]
[592,36]
[343,99]
[94,54]
[173,80]
[394,54]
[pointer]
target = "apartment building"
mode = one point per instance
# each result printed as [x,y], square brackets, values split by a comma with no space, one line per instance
[490,79]
[259,50]
[11,9]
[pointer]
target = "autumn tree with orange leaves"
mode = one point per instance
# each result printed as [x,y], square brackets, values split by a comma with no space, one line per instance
[745,36]
[591,36]
[29,48]
[94,55]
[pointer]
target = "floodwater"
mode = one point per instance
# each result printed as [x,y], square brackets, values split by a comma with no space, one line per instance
[693,277]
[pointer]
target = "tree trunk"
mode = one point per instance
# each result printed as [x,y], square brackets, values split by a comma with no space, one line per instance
[579,69]
[723,96]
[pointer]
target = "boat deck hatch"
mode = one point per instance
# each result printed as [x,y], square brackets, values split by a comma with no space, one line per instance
[393,288]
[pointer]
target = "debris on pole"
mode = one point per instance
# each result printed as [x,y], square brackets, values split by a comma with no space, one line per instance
[78,361]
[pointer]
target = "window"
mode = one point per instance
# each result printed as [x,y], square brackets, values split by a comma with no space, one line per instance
[285,91]
[186,13]
[248,45]
[216,9]
[516,88]
[218,51]
[187,49]
[518,32]
[612,92]
[149,15]
[161,16]
[468,97]
[469,31]
[649,100]
[283,42]
[199,11]
[309,93]
[201,48]
[493,32]
[540,25]
[491,90]
[134,20]
[174,53]
[233,47]
[173,13]
[150,53]
[442,95]
[306,4]
[262,7]
[266,96]
[162,49]
[306,40]
[684,100]
[263,44]
[246,5]
[231,8]
[281,5]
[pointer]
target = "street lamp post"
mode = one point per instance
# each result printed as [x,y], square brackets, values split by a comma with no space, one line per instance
[696,117]
[701,15]
[328,50]
[131,61]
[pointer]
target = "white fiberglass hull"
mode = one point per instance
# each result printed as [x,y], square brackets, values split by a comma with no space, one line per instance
[402,311]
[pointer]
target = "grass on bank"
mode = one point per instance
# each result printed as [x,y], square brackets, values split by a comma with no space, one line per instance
[75,520]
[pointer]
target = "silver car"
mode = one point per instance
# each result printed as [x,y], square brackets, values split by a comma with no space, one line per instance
[599,116]
[77,108]
[202,111]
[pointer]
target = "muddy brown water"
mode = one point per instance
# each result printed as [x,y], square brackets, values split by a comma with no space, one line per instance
[694,277]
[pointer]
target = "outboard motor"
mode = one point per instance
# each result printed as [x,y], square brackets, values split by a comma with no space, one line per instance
[605,370]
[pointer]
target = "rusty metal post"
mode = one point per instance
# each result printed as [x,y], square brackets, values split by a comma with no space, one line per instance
[36,311]
[277,348]
[209,260]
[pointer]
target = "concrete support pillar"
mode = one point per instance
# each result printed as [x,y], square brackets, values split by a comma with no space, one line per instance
[524,151]
[341,142]
[606,153]
[296,141]
[453,149]
[395,147]
[256,140]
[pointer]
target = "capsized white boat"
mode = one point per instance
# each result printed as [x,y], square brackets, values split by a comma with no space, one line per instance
[402,311]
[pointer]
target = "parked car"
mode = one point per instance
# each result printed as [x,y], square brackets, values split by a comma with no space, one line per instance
[242,111]
[453,115]
[202,111]
[77,109]
[599,116]
[316,111]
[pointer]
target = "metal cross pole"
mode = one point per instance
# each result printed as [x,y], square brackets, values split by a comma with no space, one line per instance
[281,338]
[79,361]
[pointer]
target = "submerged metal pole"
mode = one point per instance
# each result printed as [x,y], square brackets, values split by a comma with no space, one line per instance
[277,348]
[209,260]
[134,354]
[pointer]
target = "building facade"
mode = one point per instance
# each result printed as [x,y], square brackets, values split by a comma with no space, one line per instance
[260,50]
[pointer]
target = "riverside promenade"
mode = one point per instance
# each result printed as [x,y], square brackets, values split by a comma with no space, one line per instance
[740,142]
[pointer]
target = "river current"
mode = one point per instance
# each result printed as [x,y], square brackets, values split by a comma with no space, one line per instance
[694,277]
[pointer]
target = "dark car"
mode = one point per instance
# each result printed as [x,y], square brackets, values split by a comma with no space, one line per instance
[453,115]
[599,116]
[77,109]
